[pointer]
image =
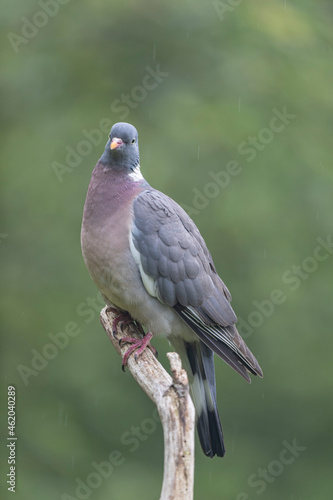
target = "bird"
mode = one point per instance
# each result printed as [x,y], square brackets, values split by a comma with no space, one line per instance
[149,260]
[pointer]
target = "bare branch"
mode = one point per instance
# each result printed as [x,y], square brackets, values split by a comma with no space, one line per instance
[174,405]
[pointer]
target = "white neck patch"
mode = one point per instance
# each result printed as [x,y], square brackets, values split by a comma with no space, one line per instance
[136,175]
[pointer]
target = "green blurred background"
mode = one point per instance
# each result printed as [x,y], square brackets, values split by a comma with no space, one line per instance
[226,66]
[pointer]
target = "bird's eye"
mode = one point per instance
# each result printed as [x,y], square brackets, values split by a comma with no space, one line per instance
[132,141]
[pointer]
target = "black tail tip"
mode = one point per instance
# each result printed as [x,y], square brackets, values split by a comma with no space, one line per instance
[211,435]
[213,453]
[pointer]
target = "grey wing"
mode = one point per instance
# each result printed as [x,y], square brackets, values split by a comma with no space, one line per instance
[177,268]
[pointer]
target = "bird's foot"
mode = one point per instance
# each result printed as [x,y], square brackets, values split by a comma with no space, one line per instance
[138,345]
[122,317]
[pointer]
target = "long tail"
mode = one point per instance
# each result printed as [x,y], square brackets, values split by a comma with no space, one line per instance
[198,361]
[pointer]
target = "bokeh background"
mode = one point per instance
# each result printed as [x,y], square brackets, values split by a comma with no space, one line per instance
[224,70]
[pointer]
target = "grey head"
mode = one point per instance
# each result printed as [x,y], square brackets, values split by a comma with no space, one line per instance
[122,149]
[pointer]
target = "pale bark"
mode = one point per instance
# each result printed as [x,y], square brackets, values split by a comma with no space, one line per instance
[174,405]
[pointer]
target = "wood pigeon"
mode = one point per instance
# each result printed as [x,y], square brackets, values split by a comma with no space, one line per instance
[148,259]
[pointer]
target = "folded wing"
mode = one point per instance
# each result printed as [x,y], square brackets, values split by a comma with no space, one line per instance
[177,268]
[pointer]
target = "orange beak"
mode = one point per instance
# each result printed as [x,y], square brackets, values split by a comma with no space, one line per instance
[115,143]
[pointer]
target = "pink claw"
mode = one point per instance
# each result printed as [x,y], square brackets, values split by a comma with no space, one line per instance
[124,318]
[138,345]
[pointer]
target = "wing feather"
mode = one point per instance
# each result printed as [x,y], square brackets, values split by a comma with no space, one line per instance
[177,268]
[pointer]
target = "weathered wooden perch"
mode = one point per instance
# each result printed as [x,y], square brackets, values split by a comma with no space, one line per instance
[174,405]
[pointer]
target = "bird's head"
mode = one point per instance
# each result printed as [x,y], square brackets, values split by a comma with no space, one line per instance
[122,148]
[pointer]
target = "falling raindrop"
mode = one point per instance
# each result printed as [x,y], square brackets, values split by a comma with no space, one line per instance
[154,51]
[198,152]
